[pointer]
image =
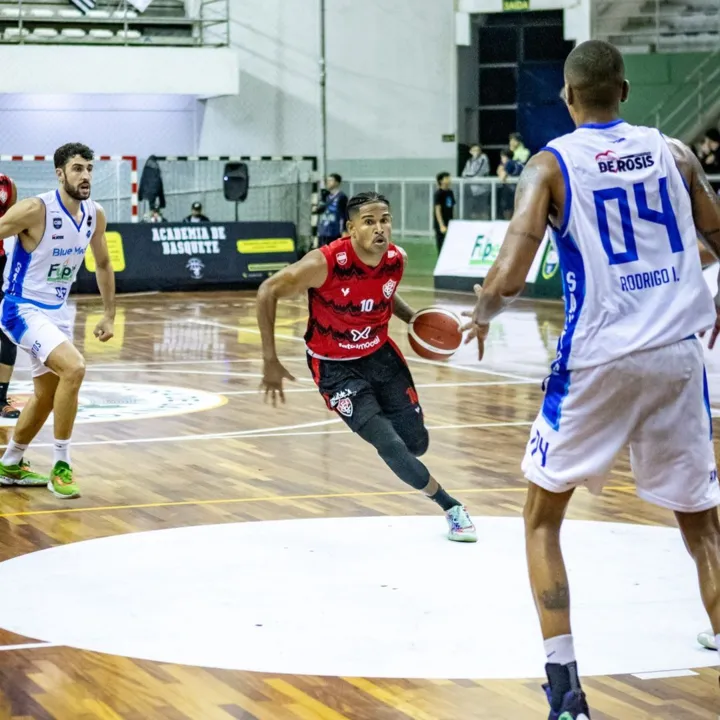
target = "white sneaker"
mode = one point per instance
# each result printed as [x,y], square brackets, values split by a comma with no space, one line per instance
[707,640]
[461,528]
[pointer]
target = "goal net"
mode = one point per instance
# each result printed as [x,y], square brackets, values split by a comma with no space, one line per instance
[114,183]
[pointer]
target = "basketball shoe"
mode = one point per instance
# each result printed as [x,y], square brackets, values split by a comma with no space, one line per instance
[461,528]
[574,704]
[707,639]
[9,412]
[21,474]
[61,482]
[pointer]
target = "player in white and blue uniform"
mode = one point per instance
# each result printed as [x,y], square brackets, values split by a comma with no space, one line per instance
[626,204]
[52,233]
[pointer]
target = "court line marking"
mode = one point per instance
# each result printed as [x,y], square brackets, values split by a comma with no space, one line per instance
[28,646]
[662,674]
[277,498]
[422,361]
[420,386]
[266,432]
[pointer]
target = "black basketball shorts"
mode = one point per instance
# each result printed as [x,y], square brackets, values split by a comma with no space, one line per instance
[359,389]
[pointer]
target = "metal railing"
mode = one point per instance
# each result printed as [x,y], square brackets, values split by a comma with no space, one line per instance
[658,25]
[412,200]
[114,23]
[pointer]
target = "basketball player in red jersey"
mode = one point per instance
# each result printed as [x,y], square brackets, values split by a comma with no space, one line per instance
[351,285]
[8,349]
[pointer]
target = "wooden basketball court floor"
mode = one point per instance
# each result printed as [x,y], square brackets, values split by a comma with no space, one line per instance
[192,601]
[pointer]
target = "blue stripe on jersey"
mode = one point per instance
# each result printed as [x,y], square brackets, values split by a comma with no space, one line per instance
[27,301]
[568,190]
[18,269]
[14,325]
[67,212]
[573,280]
[602,126]
[706,398]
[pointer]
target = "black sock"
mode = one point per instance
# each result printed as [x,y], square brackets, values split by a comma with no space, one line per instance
[444,500]
[3,394]
[562,679]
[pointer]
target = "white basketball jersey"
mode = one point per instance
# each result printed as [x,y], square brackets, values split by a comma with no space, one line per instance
[44,276]
[628,246]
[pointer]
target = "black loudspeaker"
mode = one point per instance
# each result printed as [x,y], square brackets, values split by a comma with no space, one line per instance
[236,181]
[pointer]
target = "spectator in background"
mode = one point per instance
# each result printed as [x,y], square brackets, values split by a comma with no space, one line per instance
[444,208]
[709,153]
[196,214]
[151,184]
[332,210]
[508,168]
[478,197]
[518,150]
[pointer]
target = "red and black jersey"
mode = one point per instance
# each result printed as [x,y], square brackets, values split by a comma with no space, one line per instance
[350,313]
[6,192]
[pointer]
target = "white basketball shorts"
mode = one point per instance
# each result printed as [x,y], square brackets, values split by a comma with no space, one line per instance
[656,401]
[36,330]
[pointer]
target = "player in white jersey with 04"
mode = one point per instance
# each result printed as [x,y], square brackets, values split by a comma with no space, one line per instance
[52,233]
[625,203]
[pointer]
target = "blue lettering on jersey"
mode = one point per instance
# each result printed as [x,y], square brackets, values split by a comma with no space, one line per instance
[611,162]
[641,281]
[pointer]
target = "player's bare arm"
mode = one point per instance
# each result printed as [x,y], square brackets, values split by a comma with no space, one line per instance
[25,219]
[706,210]
[310,272]
[401,309]
[534,200]
[105,276]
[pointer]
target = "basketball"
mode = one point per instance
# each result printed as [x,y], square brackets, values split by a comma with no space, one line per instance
[435,333]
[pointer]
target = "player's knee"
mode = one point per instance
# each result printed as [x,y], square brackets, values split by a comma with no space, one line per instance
[74,372]
[8,351]
[700,530]
[418,442]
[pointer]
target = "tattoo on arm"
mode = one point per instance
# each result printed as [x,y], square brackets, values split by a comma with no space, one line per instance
[556,599]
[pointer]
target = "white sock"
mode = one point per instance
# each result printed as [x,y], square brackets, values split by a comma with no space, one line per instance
[717,642]
[560,649]
[61,451]
[14,453]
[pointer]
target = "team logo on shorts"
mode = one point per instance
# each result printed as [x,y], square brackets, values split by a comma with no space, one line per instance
[35,348]
[345,407]
[341,258]
[389,288]
[57,222]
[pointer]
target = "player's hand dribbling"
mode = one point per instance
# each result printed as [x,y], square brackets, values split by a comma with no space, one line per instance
[105,329]
[476,330]
[274,372]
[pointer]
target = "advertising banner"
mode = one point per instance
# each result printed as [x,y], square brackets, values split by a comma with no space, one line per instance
[471,248]
[187,256]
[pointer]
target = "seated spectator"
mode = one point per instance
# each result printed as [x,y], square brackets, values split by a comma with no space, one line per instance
[196,214]
[478,196]
[517,147]
[508,168]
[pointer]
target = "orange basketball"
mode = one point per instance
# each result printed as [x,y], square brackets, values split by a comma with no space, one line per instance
[435,333]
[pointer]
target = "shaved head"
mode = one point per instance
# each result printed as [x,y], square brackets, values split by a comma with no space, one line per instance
[595,76]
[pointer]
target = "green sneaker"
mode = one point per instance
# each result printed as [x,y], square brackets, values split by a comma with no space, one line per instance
[21,474]
[61,482]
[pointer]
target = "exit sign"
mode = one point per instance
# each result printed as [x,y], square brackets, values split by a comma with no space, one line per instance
[515,5]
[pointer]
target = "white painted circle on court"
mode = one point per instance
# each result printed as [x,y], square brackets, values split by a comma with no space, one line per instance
[370,596]
[108,401]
